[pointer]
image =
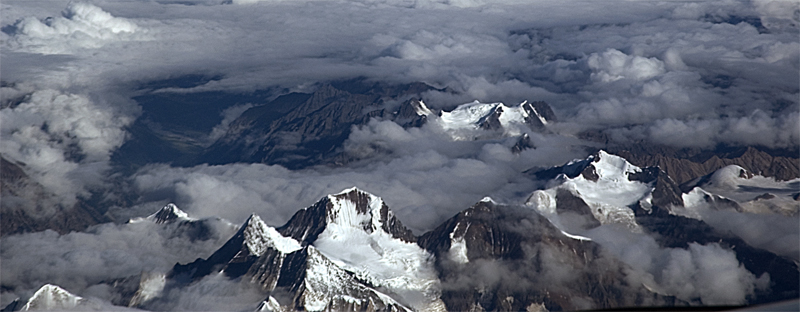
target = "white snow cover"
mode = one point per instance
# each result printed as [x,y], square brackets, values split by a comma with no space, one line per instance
[421,109]
[271,304]
[608,197]
[258,236]
[727,182]
[458,250]
[544,202]
[458,247]
[465,118]
[326,281]
[170,209]
[612,193]
[52,297]
[375,256]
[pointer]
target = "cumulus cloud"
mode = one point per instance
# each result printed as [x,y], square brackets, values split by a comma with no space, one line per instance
[64,140]
[81,25]
[77,261]
[423,176]
[685,74]
[228,115]
[701,274]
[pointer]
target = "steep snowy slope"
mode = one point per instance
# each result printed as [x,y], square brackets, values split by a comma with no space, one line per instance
[496,257]
[733,187]
[605,184]
[465,121]
[295,275]
[359,233]
[607,189]
[51,297]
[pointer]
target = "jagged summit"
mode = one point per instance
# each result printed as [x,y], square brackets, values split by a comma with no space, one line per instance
[169,213]
[258,236]
[359,233]
[253,239]
[52,297]
[352,208]
[465,118]
[600,188]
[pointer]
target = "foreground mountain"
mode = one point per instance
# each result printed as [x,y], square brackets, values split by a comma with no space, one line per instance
[606,189]
[603,234]
[502,258]
[335,255]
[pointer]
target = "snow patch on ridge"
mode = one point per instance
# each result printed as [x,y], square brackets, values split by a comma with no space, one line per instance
[462,122]
[612,193]
[358,243]
[258,236]
[168,213]
[544,202]
[52,297]
[609,197]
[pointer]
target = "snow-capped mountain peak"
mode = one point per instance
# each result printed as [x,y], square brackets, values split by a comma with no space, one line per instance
[167,214]
[52,297]
[495,116]
[357,231]
[603,182]
[258,236]
[355,208]
[610,166]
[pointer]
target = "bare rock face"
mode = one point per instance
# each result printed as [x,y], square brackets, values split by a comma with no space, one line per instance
[501,258]
[308,223]
[299,129]
[293,274]
[524,142]
[539,113]
[27,207]
[685,166]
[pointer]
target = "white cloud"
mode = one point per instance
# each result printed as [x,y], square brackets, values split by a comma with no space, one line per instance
[78,260]
[701,274]
[82,25]
[64,140]
[613,65]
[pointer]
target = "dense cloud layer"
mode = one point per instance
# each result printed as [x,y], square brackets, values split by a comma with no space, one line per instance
[706,274]
[683,74]
[78,262]
[422,175]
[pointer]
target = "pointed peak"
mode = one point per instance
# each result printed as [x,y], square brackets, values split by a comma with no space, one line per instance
[353,207]
[258,237]
[351,190]
[168,214]
[52,297]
